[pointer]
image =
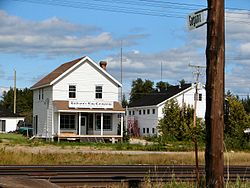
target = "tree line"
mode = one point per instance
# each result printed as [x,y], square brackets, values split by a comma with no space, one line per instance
[177,123]
[24,102]
[140,88]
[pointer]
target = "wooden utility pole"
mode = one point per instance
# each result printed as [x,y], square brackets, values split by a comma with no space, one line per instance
[121,72]
[14,107]
[215,53]
[197,74]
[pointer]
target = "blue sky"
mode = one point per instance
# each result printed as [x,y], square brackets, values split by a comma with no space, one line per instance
[35,38]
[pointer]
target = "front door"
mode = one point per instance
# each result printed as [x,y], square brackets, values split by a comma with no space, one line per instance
[83,125]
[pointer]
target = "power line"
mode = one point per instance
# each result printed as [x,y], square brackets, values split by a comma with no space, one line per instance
[157,8]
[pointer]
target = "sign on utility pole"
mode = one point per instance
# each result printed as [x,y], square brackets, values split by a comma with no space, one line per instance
[215,88]
[196,19]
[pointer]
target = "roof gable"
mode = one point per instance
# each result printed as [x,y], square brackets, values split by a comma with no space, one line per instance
[154,99]
[66,68]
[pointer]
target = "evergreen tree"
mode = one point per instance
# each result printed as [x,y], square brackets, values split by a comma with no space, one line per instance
[177,123]
[124,101]
[140,88]
[237,121]
[246,103]
[162,86]
[24,102]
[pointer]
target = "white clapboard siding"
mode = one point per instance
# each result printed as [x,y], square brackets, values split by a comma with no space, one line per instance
[85,77]
[42,108]
[151,120]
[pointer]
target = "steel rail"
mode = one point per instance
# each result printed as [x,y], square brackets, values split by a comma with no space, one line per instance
[92,174]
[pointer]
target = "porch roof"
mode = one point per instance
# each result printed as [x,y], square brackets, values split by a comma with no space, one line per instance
[63,106]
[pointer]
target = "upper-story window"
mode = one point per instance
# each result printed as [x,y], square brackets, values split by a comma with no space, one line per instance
[139,112]
[72,91]
[40,94]
[200,96]
[98,92]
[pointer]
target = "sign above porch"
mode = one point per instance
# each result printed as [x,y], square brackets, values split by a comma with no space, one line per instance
[90,104]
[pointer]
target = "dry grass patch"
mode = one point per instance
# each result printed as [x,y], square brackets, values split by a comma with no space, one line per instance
[14,156]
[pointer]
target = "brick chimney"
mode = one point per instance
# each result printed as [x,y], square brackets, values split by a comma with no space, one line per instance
[103,64]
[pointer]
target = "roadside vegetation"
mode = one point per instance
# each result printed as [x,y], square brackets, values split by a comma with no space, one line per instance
[17,149]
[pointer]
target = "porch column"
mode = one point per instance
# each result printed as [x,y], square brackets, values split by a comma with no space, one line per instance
[94,123]
[59,123]
[101,124]
[58,127]
[79,123]
[121,124]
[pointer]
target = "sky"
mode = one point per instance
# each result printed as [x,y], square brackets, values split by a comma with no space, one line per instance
[37,36]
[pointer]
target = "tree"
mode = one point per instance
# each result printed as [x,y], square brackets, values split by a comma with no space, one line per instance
[177,122]
[236,122]
[162,86]
[182,82]
[124,101]
[246,104]
[24,102]
[140,88]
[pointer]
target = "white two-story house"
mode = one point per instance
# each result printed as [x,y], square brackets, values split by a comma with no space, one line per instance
[78,100]
[145,113]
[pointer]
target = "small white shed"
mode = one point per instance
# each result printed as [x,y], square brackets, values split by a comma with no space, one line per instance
[8,121]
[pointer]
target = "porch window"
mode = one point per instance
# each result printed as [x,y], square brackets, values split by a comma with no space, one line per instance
[72,91]
[107,122]
[2,125]
[67,121]
[98,92]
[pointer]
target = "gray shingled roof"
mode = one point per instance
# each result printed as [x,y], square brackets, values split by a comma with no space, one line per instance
[156,98]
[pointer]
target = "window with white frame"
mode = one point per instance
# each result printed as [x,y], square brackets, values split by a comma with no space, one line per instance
[42,94]
[200,96]
[148,111]
[107,122]
[39,94]
[72,91]
[153,111]
[98,92]
[67,121]
[2,125]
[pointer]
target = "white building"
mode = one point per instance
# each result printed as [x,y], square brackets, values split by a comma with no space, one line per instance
[78,100]
[8,121]
[144,114]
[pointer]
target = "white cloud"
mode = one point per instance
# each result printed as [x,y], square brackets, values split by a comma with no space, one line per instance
[175,61]
[55,37]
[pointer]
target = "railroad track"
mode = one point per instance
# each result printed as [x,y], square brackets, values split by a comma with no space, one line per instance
[131,174]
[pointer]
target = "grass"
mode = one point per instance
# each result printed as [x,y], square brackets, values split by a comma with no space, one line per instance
[17,149]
